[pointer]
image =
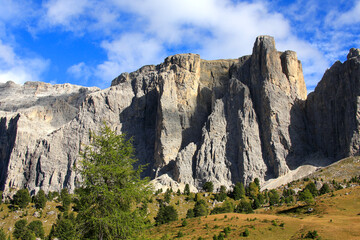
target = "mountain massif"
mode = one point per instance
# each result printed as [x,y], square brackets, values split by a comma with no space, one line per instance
[192,120]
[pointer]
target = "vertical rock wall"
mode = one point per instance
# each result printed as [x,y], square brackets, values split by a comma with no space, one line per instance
[191,120]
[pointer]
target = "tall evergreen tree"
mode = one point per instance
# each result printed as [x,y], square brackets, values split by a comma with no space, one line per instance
[187,189]
[239,191]
[40,199]
[111,189]
[22,198]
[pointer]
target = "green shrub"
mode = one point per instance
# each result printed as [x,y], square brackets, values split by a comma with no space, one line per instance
[37,228]
[312,234]
[40,199]
[22,198]
[187,190]
[200,208]
[324,189]
[245,233]
[208,187]
[2,234]
[180,234]
[184,223]
[190,213]
[166,214]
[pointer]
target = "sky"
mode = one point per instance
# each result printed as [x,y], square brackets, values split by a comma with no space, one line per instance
[90,42]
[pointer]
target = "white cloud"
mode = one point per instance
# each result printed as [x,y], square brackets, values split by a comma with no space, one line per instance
[138,32]
[128,53]
[63,12]
[348,18]
[17,69]
[80,70]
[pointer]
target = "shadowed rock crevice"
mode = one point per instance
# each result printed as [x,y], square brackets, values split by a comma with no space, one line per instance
[8,133]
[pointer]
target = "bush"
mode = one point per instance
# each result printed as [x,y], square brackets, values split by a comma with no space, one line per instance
[244,207]
[227,231]
[227,207]
[166,214]
[184,223]
[208,187]
[2,234]
[64,229]
[312,188]
[190,213]
[22,198]
[324,189]
[37,228]
[187,190]
[239,191]
[20,229]
[312,234]
[256,204]
[307,197]
[200,208]
[245,233]
[273,197]
[180,234]
[167,196]
[65,199]
[40,200]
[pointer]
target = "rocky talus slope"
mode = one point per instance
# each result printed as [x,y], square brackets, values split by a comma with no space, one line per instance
[192,120]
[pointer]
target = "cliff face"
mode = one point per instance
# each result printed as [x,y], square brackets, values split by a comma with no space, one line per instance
[192,120]
[333,109]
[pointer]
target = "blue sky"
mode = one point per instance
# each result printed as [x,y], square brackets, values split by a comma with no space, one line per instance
[89,42]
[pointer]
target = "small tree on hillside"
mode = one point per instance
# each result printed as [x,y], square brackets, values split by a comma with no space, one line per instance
[208,187]
[22,198]
[307,197]
[166,214]
[312,188]
[221,196]
[239,191]
[65,199]
[200,208]
[324,189]
[40,199]
[187,189]
[274,197]
[36,227]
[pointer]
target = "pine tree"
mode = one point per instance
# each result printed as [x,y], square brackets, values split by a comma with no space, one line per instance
[239,191]
[187,190]
[208,187]
[22,198]
[110,189]
[37,228]
[40,199]
[166,214]
[65,199]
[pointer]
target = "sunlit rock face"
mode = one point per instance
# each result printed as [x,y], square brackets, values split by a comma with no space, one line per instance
[191,120]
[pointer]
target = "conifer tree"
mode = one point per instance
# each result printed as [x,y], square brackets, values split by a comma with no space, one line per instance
[111,189]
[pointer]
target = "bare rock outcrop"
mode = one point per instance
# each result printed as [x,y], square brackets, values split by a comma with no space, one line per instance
[333,109]
[192,120]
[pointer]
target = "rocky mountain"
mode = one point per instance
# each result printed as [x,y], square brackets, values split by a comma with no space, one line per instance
[192,120]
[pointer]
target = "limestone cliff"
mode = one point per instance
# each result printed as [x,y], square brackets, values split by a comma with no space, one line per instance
[333,109]
[192,120]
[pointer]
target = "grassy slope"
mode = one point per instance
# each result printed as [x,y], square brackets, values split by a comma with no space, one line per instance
[336,217]
[48,217]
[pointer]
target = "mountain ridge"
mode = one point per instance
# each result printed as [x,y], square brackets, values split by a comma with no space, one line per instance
[192,120]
